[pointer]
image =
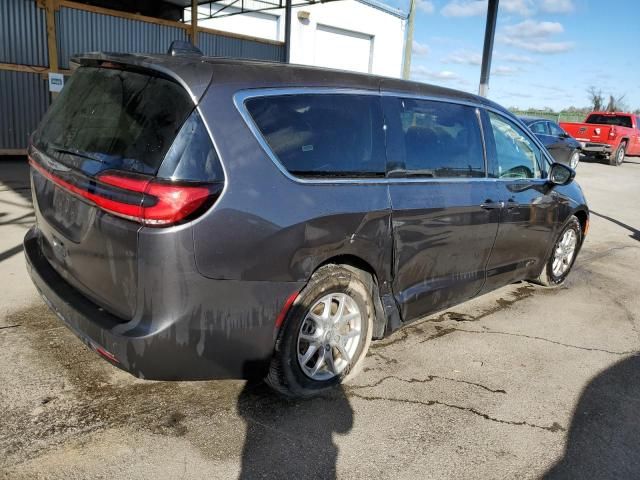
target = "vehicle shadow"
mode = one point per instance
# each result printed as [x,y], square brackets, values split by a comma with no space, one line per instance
[14,175]
[635,233]
[603,437]
[291,439]
[15,210]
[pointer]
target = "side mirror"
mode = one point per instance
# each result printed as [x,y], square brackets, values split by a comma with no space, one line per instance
[560,174]
[564,135]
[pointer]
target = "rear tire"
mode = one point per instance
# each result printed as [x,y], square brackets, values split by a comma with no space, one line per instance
[563,255]
[326,333]
[617,157]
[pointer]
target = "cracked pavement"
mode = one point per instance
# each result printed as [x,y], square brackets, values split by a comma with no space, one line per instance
[522,383]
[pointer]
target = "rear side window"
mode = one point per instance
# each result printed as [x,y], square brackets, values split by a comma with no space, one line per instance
[124,120]
[539,128]
[437,139]
[555,129]
[192,156]
[319,135]
[617,120]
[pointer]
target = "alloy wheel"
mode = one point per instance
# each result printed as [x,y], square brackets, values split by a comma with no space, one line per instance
[329,336]
[564,253]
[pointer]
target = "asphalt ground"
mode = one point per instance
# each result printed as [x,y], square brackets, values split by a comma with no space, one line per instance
[522,383]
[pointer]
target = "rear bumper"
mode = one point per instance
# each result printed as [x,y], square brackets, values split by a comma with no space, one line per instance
[597,148]
[226,328]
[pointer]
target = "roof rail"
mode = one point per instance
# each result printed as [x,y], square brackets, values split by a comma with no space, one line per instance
[180,47]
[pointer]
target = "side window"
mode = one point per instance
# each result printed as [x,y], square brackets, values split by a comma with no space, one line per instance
[555,129]
[638,123]
[192,155]
[440,140]
[539,128]
[516,155]
[320,135]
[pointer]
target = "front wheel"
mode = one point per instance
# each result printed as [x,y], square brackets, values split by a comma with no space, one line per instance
[326,333]
[563,255]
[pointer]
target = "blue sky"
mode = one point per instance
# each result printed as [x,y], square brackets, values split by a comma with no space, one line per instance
[546,53]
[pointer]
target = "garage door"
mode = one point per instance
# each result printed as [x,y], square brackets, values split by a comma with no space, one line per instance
[344,49]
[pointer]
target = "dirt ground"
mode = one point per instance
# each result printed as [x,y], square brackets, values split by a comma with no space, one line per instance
[522,383]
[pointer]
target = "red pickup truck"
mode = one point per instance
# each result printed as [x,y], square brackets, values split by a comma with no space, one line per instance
[610,135]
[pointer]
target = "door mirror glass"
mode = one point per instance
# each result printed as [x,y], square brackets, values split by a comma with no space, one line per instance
[560,174]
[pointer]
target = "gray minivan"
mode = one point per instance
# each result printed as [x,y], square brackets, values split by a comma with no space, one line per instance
[203,218]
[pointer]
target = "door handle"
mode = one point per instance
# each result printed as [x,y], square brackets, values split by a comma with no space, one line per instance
[489,205]
[511,204]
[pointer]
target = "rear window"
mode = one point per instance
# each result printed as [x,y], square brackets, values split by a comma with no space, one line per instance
[125,120]
[318,135]
[617,120]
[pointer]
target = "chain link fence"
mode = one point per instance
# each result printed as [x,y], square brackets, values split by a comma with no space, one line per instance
[556,117]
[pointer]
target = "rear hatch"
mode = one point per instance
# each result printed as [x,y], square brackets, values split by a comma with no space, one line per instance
[120,150]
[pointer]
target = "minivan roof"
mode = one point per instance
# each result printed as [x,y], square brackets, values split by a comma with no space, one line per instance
[196,72]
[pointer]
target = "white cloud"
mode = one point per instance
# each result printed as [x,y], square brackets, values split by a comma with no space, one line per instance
[426,6]
[537,46]
[444,75]
[504,71]
[557,6]
[523,8]
[419,48]
[422,72]
[508,94]
[518,7]
[533,29]
[531,35]
[464,58]
[464,8]
[515,58]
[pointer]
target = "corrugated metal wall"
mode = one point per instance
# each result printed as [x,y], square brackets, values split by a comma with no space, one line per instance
[24,98]
[80,31]
[23,33]
[222,46]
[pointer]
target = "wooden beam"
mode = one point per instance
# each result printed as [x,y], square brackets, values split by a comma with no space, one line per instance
[194,22]
[117,13]
[12,67]
[240,36]
[52,44]
[13,151]
[23,68]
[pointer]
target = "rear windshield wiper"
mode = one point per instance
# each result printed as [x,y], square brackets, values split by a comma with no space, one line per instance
[75,153]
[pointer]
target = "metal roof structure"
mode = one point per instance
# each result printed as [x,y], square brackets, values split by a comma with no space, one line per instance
[219,8]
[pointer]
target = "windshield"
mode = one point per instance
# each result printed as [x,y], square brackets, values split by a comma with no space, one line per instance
[617,120]
[116,118]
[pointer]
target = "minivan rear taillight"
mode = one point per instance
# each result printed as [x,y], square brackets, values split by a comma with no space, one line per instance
[147,200]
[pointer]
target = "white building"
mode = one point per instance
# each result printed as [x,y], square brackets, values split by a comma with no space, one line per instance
[360,35]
